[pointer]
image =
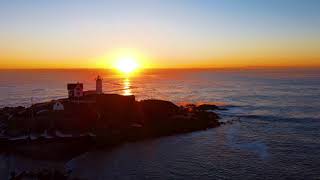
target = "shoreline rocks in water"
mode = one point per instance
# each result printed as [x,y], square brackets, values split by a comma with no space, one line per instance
[94,121]
[42,174]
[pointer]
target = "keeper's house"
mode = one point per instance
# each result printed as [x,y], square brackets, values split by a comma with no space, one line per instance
[75,90]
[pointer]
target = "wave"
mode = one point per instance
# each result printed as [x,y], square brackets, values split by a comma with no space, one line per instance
[279,118]
[38,90]
[248,112]
[256,147]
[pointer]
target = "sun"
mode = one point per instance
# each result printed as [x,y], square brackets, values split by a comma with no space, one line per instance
[127,65]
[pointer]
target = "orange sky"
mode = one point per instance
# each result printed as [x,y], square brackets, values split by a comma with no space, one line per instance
[159,34]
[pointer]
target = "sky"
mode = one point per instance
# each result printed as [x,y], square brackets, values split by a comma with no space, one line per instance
[159,33]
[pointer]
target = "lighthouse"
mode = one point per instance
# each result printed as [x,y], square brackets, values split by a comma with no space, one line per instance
[99,85]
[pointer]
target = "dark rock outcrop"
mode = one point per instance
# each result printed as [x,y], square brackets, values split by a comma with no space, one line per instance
[108,118]
[43,174]
[206,107]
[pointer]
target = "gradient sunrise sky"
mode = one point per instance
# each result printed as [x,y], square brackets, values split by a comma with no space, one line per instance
[160,33]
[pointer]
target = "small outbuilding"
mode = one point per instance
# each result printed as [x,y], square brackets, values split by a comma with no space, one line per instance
[58,106]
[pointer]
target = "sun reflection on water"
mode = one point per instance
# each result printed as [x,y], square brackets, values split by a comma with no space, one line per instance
[126,87]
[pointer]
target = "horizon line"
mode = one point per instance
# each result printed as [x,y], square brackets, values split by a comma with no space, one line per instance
[172,68]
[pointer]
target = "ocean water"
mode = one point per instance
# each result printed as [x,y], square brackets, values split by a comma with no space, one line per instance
[277,136]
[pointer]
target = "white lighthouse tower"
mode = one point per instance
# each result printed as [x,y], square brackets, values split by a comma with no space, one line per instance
[99,85]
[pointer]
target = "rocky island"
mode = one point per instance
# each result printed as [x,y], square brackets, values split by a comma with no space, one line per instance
[65,127]
[96,120]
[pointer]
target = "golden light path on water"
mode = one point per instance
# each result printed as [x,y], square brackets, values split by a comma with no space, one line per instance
[126,87]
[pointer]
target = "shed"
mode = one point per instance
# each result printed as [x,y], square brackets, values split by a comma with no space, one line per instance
[58,106]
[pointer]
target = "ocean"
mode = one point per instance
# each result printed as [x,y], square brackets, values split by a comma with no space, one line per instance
[277,136]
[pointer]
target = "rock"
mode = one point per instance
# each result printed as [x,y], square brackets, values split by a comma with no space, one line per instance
[206,107]
[157,110]
[112,118]
[53,174]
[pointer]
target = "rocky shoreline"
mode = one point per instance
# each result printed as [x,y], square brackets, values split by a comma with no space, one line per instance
[95,121]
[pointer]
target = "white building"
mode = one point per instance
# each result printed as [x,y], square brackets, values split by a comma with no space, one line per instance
[78,91]
[58,106]
[75,90]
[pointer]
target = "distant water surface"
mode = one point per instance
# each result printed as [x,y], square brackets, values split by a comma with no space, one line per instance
[277,137]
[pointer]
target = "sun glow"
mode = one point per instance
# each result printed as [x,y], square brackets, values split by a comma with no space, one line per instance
[124,61]
[127,65]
